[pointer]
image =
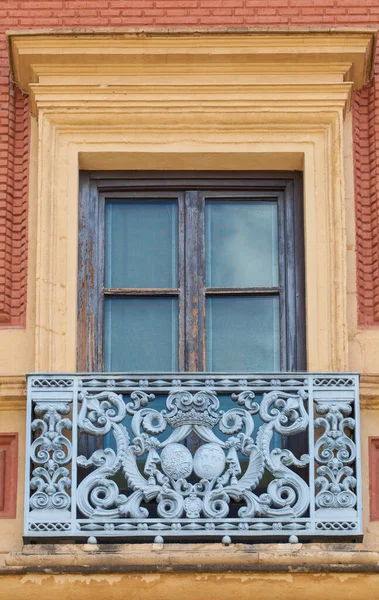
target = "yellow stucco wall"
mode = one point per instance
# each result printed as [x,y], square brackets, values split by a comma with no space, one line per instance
[201,585]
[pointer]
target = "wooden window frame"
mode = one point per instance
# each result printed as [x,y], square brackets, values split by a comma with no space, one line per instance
[191,189]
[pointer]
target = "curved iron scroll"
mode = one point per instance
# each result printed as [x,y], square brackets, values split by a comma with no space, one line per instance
[242,477]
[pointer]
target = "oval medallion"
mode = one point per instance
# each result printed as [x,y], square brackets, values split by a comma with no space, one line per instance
[209,461]
[176,461]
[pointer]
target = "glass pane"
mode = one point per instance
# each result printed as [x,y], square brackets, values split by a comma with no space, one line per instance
[141,334]
[141,245]
[243,333]
[241,243]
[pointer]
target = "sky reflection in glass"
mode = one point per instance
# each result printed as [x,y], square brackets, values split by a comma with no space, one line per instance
[241,243]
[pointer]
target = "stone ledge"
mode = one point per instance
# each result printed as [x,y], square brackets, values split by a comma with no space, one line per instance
[200,557]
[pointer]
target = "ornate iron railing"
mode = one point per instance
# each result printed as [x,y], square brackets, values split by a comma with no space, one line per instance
[193,455]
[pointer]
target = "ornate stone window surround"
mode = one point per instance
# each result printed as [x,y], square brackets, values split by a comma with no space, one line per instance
[191,100]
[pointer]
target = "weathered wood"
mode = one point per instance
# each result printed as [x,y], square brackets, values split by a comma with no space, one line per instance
[300,359]
[141,291]
[248,291]
[194,284]
[191,189]
[91,276]
[181,281]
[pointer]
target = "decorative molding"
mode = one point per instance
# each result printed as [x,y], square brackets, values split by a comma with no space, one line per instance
[350,52]
[12,392]
[369,392]
[8,475]
[103,95]
[62,132]
[141,55]
[186,99]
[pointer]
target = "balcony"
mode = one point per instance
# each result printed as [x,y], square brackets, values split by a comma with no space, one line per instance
[193,455]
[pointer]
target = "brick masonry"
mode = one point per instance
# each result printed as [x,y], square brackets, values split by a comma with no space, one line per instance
[14,126]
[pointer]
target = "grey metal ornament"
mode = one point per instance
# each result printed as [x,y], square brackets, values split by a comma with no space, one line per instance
[206,456]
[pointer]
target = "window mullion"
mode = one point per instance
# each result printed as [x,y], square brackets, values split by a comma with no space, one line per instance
[194,282]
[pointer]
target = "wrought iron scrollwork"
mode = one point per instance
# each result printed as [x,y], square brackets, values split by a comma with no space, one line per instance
[196,486]
[51,450]
[335,451]
[193,455]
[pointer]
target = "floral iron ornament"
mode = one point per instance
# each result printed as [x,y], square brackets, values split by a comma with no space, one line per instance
[216,465]
[191,466]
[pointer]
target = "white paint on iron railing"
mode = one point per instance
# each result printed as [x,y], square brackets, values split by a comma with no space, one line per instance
[196,455]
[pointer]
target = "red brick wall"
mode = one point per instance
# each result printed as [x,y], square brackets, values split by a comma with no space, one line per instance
[14,132]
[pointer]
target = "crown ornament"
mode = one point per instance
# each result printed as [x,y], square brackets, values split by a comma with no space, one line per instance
[192,409]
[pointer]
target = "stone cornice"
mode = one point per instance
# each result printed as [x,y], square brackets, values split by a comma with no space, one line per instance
[345,52]
[317,100]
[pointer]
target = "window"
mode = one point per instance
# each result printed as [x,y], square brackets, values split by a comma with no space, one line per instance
[196,272]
